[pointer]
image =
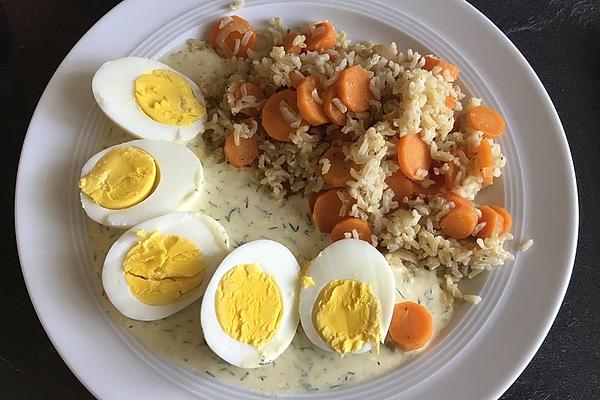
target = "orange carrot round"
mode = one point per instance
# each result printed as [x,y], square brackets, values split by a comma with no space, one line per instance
[231,38]
[339,170]
[432,61]
[310,109]
[353,88]
[334,114]
[242,155]
[484,162]
[457,200]
[249,89]
[326,211]
[506,218]
[288,43]
[400,185]
[411,326]
[486,120]
[413,155]
[460,222]
[273,121]
[323,37]
[493,222]
[347,226]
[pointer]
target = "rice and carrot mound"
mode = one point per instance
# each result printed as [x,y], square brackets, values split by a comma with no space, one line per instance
[383,143]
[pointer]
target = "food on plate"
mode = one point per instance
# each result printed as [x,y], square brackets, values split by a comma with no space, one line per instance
[280,115]
[249,312]
[411,326]
[131,182]
[164,264]
[321,36]
[232,36]
[149,99]
[432,62]
[361,161]
[243,153]
[486,120]
[330,208]
[347,307]
[351,228]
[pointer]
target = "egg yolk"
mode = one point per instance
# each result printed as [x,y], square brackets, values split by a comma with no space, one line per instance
[163,269]
[121,178]
[167,98]
[347,315]
[248,304]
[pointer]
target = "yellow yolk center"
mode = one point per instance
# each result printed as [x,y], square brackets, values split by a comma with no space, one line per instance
[121,178]
[347,315]
[167,98]
[248,304]
[163,269]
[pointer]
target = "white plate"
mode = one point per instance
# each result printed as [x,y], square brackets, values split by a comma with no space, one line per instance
[485,348]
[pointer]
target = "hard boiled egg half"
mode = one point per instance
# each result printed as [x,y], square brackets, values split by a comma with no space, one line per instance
[347,297]
[249,311]
[162,265]
[131,182]
[149,99]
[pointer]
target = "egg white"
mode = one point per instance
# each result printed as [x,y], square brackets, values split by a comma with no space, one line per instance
[113,88]
[196,227]
[277,261]
[348,259]
[179,185]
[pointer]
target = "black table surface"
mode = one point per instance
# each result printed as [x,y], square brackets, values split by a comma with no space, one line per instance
[559,38]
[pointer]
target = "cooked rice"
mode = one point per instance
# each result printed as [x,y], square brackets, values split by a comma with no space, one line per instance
[525,245]
[236,4]
[408,100]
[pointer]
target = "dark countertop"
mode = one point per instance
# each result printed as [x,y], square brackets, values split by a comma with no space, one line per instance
[559,38]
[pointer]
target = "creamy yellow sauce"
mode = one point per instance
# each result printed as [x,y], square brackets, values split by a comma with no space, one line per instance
[231,196]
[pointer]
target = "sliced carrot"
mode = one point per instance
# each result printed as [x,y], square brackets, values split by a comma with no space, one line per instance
[323,37]
[296,78]
[353,88]
[457,200]
[411,326]
[486,120]
[493,222]
[450,102]
[273,121]
[326,211]
[460,222]
[339,170]
[506,218]
[334,114]
[432,61]
[230,39]
[413,155]
[242,155]
[400,185]
[484,162]
[310,109]
[347,226]
[249,89]
[288,43]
